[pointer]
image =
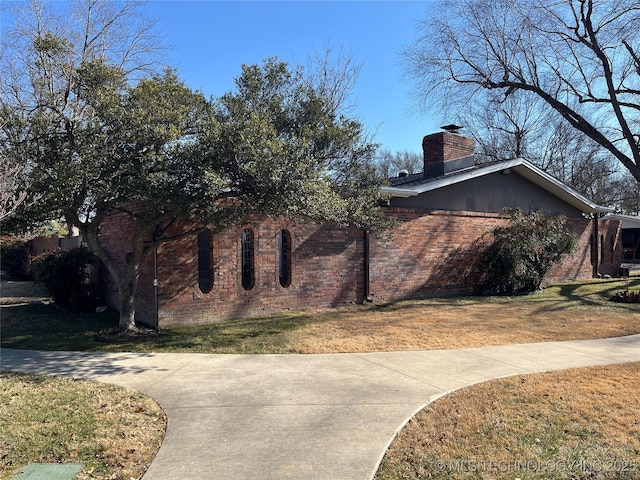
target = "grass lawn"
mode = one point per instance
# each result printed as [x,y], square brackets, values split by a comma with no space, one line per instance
[114,432]
[581,423]
[580,310]
[573,424]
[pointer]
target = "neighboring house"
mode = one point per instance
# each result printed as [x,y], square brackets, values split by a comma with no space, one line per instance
[444,217]
[630,225]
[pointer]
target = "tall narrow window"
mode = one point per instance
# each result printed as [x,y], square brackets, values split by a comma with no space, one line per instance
[284,259]
[601,248]
[612,245]
[205,277]
[248,262]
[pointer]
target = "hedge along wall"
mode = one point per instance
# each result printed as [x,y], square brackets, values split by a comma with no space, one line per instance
[429,253]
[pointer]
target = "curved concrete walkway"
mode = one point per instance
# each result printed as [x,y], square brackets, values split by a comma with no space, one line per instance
[325,417]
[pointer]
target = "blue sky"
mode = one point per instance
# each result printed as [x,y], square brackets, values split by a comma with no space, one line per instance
[212,39]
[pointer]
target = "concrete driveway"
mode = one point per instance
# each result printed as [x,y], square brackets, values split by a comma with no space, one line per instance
[325,417]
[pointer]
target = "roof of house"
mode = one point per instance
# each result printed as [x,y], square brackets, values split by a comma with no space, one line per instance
[413,185]
[628,221]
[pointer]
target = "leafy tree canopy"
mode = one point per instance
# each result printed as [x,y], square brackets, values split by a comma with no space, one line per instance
[285,149]
[104,132]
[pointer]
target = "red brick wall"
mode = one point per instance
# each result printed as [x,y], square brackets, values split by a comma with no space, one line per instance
[608,255]
[327,270]
[443,146]
[437,254]
[428,254]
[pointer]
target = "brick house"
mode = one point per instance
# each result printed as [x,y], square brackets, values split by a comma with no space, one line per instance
[630,225]
[445,215]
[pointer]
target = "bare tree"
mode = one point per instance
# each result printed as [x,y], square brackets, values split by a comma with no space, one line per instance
[506,128]
[64,66]
[46,52]
[50,45]
[389,164]
[580,57]
[48,42]
[334,76]
[629,195]
[520,127]
[13,192]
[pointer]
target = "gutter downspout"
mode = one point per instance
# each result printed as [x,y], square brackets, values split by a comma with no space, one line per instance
[155,286]
[596,246]
[367,262]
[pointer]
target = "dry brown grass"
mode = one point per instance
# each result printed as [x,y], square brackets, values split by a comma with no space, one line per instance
[573,311]
[470,322]
[114,432]
[579,423]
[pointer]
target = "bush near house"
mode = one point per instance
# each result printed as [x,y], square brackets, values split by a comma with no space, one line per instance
[67,275]
[14,253]
[524,251]
[626,296]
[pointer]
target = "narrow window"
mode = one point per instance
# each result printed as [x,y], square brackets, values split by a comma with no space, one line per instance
[601,248]
[205,278]
[593,250]
[248,265]
[612,239]
[284,260]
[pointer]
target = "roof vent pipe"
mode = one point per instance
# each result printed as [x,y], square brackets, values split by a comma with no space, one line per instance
[403,173]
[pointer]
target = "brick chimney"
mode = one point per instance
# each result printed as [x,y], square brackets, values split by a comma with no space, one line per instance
[445,152]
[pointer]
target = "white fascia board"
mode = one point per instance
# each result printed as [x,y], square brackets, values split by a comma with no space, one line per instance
[520,166]
[451,179]
[628,221]
[559,189]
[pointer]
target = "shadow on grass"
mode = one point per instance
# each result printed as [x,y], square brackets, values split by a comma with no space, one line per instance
[44,327]
[38,326]
[596,294]
[259,335]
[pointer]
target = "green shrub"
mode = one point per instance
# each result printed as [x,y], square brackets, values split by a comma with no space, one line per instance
[14,258]
[626,296]
[67,275]
[524,251]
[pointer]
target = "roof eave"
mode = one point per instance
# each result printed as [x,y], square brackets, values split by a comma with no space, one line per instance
[559,189]
[523,168]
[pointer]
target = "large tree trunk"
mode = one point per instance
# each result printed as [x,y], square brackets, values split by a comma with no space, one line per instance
[127,291]
[125,276]
[127,310]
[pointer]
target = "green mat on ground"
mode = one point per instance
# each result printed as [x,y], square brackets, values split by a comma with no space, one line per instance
[49,471]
